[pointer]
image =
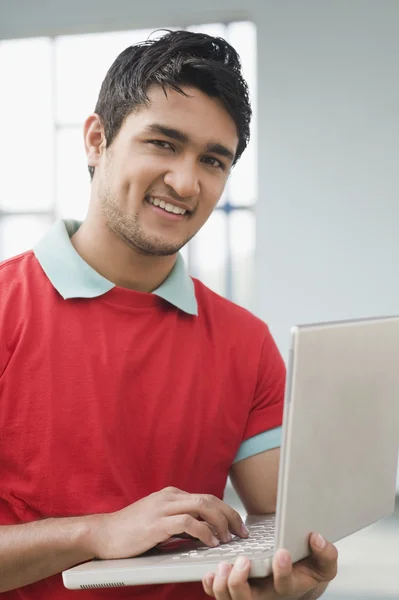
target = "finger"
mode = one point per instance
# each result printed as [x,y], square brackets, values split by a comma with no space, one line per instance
[187,536]
[282,573]
[235,522]
[207,583]
[320,566]
[200,506]
[324,557]
[238,580]
[172,491]
[178,524]
[220,582]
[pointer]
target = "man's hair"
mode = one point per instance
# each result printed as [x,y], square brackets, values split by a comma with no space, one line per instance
[178,58]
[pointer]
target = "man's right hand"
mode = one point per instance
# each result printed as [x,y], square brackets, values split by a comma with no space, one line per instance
[156,518]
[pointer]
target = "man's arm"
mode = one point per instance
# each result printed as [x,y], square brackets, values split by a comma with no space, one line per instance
[34,551]
[255,481]
[255,477]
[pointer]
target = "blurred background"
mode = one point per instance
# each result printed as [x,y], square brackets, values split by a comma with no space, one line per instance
[307,229]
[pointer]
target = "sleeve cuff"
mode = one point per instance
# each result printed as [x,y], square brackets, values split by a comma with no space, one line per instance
[259,443]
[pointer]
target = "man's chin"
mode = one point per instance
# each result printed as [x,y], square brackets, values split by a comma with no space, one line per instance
[159,251]
[149,245]
[155,249]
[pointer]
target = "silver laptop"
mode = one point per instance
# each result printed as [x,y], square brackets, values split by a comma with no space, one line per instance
[338,461]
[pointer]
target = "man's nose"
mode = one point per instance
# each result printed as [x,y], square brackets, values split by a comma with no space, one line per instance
[183,178]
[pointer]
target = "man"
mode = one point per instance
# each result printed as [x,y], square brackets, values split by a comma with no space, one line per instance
[129,391]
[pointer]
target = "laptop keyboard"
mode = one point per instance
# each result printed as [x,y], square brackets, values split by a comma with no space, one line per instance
[261,539]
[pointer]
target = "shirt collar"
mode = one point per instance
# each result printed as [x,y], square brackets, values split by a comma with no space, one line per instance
[72,277]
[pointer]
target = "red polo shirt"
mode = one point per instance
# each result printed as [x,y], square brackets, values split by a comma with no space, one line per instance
[106,399]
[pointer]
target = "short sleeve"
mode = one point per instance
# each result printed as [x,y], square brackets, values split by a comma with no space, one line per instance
[267,440]
[267,407]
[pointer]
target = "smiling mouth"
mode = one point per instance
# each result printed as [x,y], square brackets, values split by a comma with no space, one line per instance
[167,206]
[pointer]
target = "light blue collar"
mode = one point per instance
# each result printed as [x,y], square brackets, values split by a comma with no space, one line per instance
[72,277]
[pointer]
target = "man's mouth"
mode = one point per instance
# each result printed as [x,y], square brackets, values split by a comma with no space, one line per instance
[166,206]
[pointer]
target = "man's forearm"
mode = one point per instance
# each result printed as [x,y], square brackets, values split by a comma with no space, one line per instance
[37,550]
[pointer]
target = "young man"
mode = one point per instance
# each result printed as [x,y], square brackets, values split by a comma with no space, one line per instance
[129,391]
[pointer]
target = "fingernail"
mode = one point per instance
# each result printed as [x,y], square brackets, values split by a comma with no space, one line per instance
[244,530]
[319,542]
[223,569]
[283,558]
[208,579]
[241,563]
[215,541]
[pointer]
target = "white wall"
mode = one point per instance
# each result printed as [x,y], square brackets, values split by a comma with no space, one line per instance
[328,210]
[328,109]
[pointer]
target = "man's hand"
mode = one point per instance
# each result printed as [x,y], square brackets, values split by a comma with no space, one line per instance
[156,518]
[306,579]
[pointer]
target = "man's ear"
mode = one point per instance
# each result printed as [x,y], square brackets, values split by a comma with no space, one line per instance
[94,139]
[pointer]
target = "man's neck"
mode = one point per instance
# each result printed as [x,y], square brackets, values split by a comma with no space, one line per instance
[107,254]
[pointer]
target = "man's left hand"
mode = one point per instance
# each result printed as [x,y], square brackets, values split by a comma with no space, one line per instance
[305,579]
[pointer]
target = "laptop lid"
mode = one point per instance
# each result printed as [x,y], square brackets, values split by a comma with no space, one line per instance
[341,431]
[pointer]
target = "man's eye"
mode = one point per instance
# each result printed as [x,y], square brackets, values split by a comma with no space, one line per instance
[213,162]
[161,144]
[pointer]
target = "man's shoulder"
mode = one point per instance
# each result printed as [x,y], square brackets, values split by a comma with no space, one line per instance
[19,271]
[10,267]
[225,311]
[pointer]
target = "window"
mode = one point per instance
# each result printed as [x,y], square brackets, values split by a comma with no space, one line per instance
[49,88]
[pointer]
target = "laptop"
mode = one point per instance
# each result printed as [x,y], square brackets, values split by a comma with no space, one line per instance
[338,459]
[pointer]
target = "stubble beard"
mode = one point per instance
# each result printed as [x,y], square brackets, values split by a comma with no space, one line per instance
[128,229]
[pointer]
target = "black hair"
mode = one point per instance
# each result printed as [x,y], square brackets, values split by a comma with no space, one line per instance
[178,58]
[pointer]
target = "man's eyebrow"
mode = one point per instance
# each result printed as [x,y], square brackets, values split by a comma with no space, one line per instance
[170,132]
[220,149]
[180,136]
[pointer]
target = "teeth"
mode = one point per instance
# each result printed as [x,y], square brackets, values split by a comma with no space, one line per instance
[167,206]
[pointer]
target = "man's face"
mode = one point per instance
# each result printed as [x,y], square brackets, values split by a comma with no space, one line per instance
[166,169]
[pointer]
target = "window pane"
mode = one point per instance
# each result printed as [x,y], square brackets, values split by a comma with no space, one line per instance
[242,182]
[73,179]
[242,235]
[26,125]
[81,65]
[21,233]
[209,253]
